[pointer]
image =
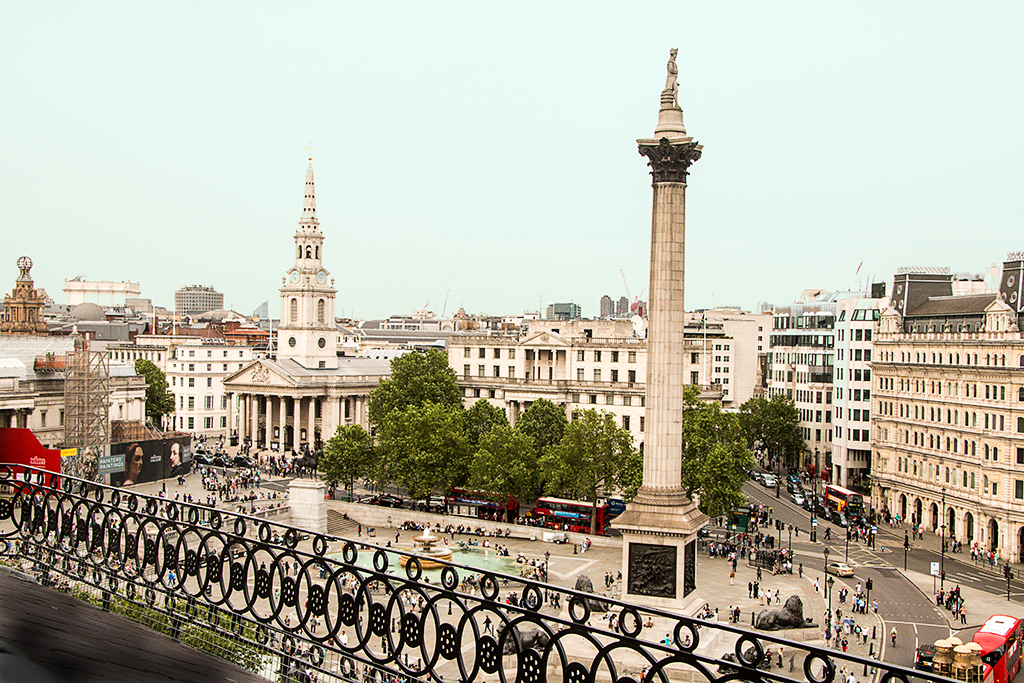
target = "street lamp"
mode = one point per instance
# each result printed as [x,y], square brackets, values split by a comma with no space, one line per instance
[547,559]
[847,540]
[942,556]
[825,553]
[829,583]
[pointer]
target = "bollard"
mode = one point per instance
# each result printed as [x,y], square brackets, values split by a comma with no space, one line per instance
[871,650]
[751,617]
[874,632]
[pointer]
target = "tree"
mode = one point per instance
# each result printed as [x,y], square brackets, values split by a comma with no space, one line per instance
[480,419]
[159,399]
[422,446]
[775,425]
[416,378]
[592,459]
[544,422]
[715,455]
[505,464]
[348,455]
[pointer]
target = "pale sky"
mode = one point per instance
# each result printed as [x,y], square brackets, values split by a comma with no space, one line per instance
[490,150]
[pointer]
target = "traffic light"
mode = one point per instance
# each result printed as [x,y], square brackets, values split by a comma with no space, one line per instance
[871,584]
[906,542]
[943,574]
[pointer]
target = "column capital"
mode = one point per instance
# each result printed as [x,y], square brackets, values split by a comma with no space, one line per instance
[670,159]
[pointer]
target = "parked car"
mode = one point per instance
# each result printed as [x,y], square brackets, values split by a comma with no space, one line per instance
[924,659]
[839,569]
[386,500]
[220,461]
[202,458]
[241,461]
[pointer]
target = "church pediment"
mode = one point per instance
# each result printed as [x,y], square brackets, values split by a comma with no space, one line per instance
[545,339]
[258,373]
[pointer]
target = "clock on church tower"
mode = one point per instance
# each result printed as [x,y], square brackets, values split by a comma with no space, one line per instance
[308,334]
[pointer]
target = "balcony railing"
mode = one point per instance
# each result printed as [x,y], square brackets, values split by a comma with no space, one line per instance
[284,608]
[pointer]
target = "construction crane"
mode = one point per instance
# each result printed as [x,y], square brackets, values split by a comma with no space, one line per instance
[635,301]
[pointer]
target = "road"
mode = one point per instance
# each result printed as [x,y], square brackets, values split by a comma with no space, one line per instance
[901,604]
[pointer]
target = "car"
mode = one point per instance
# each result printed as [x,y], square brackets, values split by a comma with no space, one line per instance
[797,497]
[924,659]
[202,458]
[839,569]
[769,481]
[220,461]
[840,519]
[793,478]
[241,461]
[386,500]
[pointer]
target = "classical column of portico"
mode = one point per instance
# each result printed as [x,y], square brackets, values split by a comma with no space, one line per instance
[296,412]
[282,412]
[230,413]
[659,527]
[329,422]
[254,419]
[267,433]
[310,418]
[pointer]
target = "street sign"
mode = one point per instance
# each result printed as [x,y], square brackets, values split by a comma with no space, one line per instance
[814,522]
[935,568]
[874,529]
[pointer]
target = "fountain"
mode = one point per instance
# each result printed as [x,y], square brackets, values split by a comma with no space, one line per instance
[429,556]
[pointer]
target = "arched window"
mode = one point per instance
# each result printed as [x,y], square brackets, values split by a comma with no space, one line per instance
[294,312]
[316,251]
[320,307]
[1020,394]
[1002,393]
[1020,423]
[300,252]
[309,252]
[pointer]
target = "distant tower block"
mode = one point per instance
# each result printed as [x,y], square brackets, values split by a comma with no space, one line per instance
[659,528]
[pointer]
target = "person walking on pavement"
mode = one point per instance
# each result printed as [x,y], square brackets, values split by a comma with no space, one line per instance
[750,589]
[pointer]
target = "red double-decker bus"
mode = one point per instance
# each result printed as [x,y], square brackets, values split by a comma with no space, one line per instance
[999,639]
[848,502]
[481,505]
[561,514]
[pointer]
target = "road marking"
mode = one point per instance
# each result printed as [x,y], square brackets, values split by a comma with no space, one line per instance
[585,565]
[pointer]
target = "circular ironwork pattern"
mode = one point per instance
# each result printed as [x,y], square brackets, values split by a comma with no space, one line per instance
[286,594]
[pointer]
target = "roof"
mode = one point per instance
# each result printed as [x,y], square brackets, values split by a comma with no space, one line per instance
[87,310]
[964,304]
[27,348]
[347,367]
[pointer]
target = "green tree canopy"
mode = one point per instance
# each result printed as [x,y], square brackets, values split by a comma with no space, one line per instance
[593,459]
[159,399]
[416,378]
[423,446]
[347,456]
[775,424]
[481,417]
[544,422]
[505,464]
[715,455]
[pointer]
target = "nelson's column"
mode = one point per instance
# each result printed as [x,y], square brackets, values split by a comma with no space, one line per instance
[659,528]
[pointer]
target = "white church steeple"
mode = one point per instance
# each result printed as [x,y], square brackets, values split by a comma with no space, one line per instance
[308,333]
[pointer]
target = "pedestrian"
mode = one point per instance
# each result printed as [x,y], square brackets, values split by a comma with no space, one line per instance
[963,615]
[801,570]
[732,578]
[750,589]
[815,584]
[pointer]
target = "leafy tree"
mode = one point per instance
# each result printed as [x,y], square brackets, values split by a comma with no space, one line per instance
[544,422]
[592,459]
[715,455]
[159,399]
[347,456]
[480,419]
[422,446]
[775,425]
[506,463]
[416,378]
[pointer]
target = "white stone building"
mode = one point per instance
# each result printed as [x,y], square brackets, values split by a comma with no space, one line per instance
[79,290]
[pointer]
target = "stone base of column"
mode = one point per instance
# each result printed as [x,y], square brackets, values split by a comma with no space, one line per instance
[307,499]
[659,550]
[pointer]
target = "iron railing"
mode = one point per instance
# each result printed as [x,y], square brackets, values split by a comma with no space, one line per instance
[276,600]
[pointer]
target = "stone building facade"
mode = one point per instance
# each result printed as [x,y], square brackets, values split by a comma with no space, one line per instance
[949,409]
[23,307]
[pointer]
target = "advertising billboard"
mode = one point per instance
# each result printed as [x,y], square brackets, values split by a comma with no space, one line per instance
[138,462]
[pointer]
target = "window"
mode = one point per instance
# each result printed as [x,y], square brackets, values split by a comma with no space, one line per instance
[632,356]
[597,375]
[209,381]
[597,356]
[191,402]
[191,423]
[511,371]
[615,375]
[465,352]
[191,381]
[208,403]
[294,310]
[191,367]
[580,355]
[465,370]
[609,399]
[223,421]
[497,371]
[593,398]
[480,371]
[615,356]
[579,375]
[497,353]
[511,354]
[625,421]
[225,369]
[1018,489]
[641,423]
[483,353]
[321,307]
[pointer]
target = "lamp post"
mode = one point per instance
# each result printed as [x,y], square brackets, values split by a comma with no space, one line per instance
[847,541]
[825,553]
[547,559]
[942,555]
[778,474]
[829,583]
[906,547]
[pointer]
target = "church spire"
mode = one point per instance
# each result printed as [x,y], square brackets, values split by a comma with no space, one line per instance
[309,220]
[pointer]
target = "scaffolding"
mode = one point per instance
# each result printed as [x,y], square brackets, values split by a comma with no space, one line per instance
[86,397]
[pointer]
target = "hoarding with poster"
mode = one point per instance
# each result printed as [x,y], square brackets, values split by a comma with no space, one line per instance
[21,447]
[144,461]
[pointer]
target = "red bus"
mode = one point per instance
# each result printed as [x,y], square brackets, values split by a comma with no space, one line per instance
[838,499]
[481,506]
[999,639]
[571,515]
